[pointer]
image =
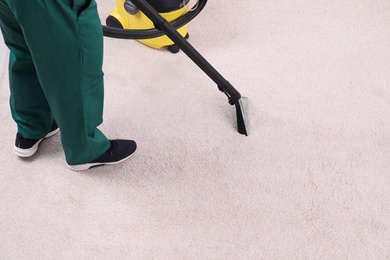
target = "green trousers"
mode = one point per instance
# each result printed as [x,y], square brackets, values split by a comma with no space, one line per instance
[55,69]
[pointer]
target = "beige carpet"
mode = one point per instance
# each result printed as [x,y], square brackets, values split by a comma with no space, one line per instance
[312,181]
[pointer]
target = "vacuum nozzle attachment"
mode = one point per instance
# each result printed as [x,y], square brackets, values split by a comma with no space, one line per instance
[241,103]
[242,111]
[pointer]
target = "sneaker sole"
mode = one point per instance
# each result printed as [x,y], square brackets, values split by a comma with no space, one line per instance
[86,166]
[31,151]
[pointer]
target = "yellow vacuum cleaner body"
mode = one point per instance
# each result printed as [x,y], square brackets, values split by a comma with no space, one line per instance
[126,15]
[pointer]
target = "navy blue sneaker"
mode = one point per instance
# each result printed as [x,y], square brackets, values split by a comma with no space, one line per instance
[25,147]
[119,151]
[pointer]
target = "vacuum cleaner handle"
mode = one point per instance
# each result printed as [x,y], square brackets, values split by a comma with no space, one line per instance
[241,103]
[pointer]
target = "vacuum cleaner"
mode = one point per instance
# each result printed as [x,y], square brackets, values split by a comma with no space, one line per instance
[126,15]
[160,23]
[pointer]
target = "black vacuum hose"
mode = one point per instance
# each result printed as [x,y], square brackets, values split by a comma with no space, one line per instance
[121,33]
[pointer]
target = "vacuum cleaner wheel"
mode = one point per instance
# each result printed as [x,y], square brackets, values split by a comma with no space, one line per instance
[174,48]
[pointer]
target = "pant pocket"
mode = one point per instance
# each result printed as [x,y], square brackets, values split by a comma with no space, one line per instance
[79,6]
[91,41]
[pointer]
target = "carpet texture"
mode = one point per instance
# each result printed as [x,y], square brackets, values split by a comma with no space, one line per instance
[310,182]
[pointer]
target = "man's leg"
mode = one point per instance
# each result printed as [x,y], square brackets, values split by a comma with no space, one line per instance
[29,106]
[66,43]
